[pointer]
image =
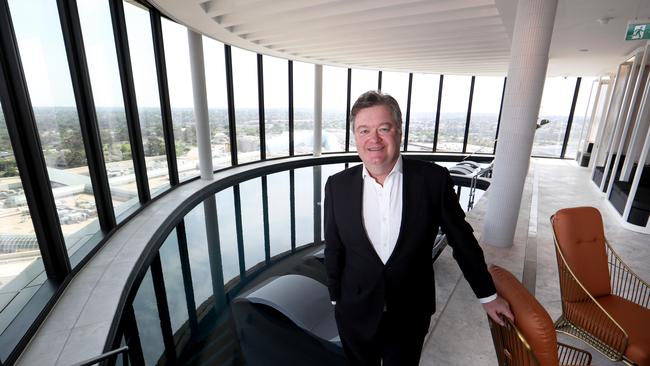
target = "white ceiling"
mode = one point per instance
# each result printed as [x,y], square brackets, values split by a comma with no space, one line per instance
[430,36]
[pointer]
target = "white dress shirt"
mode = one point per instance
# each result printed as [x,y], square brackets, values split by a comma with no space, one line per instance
[382,210]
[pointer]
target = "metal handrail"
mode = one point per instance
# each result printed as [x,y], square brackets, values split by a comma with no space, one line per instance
[105,356]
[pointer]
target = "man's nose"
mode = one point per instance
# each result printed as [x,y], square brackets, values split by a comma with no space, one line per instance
[374,135]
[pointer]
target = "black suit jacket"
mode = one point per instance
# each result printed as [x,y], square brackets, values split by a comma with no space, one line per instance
[360,283]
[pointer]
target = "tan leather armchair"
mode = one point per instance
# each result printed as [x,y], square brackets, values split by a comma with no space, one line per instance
[603,302]
[531,339]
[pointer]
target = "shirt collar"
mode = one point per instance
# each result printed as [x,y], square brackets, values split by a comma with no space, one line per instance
[397,168]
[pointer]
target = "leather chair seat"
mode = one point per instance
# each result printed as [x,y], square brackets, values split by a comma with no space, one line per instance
[632,317]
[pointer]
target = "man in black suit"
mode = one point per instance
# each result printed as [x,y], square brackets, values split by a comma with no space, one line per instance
[381,219]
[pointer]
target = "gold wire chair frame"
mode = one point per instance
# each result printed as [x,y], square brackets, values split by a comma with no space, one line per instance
[566,326]
[517,351]
[567,355]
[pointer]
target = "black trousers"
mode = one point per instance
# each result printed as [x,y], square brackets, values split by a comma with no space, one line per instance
[397,343]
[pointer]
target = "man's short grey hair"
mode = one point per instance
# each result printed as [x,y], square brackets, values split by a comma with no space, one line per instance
[374,98]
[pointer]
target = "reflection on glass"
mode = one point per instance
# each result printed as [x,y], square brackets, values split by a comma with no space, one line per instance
[555,107]
[424,102]
[303,108]
[276,106]
[173,277]
[215,78]
[580,115]
[304,206]
[18,245]
[252,221]
[280,213]
[486,103]
[145,81]
[244,74]
[97,31]
[148,321]
[180,97]
[362,81]
[453,112]
[197,248]
[397,85]
[48,79]
[228,234]
[335,84]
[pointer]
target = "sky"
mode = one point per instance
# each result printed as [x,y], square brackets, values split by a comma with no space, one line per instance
[44,61]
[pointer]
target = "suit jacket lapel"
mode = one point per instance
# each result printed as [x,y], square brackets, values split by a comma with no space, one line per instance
[410,197]
[356,205]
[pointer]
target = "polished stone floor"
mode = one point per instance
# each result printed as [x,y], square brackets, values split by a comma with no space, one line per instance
[459,333]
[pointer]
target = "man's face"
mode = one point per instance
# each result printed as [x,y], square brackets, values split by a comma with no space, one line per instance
[378,138]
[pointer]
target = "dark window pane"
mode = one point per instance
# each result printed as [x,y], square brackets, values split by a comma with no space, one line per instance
[304,206]
[148,321]
[252,221]
[228,234]
[279,213]
[173,276]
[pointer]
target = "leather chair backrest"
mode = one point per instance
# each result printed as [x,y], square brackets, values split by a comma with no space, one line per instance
[530,317]
[581,238]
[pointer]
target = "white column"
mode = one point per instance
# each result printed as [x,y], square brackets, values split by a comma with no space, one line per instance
[318,109]
[200,104]
[526,74]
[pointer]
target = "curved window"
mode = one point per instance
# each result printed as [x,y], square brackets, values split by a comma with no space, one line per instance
[303,108]
[228,234]
[280,201]
[180,97]
[145,82]
[453,113]
[424,103]
[252,220]
[173,277]
[99,43]
[215,79]
[276,106]
[244,74]
[335,84]
[18,246]
[48,80]
[397,85]
[555,108]
[486,103]
[148,320]
[304,194]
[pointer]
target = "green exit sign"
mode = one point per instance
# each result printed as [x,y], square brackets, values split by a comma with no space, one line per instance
[636,31]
